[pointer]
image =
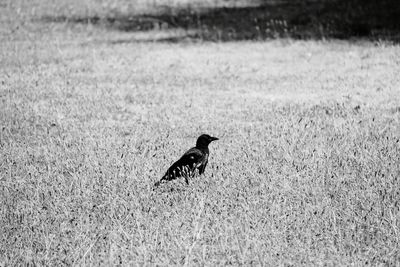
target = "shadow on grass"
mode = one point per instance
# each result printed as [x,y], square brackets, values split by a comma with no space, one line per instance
[343,19]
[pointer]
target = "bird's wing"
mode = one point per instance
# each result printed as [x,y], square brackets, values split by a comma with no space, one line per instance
[190,160]
[185,166]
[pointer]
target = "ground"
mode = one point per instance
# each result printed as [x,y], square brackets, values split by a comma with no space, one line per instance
[306,171]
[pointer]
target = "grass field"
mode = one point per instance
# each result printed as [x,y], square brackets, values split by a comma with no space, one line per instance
[306,171]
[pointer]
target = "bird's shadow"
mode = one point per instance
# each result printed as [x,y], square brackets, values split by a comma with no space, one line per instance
[171,187]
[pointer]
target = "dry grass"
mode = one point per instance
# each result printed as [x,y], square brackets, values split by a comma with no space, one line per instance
[306,171]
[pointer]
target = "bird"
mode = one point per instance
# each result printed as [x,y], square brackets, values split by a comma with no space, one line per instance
[194,159]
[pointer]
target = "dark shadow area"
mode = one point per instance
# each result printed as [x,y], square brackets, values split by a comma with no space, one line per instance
[343,19]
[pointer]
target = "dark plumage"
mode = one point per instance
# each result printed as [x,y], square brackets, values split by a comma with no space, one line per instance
[194,158]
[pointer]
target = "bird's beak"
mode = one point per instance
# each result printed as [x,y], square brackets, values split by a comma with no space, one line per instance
[214,139]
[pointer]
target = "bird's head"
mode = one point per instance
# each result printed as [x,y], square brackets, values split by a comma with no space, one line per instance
[204,140]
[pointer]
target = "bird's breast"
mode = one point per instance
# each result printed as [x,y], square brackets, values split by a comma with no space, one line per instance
[204,160]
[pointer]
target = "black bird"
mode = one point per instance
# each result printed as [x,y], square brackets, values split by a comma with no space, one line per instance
[194,158]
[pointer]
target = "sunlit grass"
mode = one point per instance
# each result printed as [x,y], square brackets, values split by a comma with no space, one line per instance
[305,172]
